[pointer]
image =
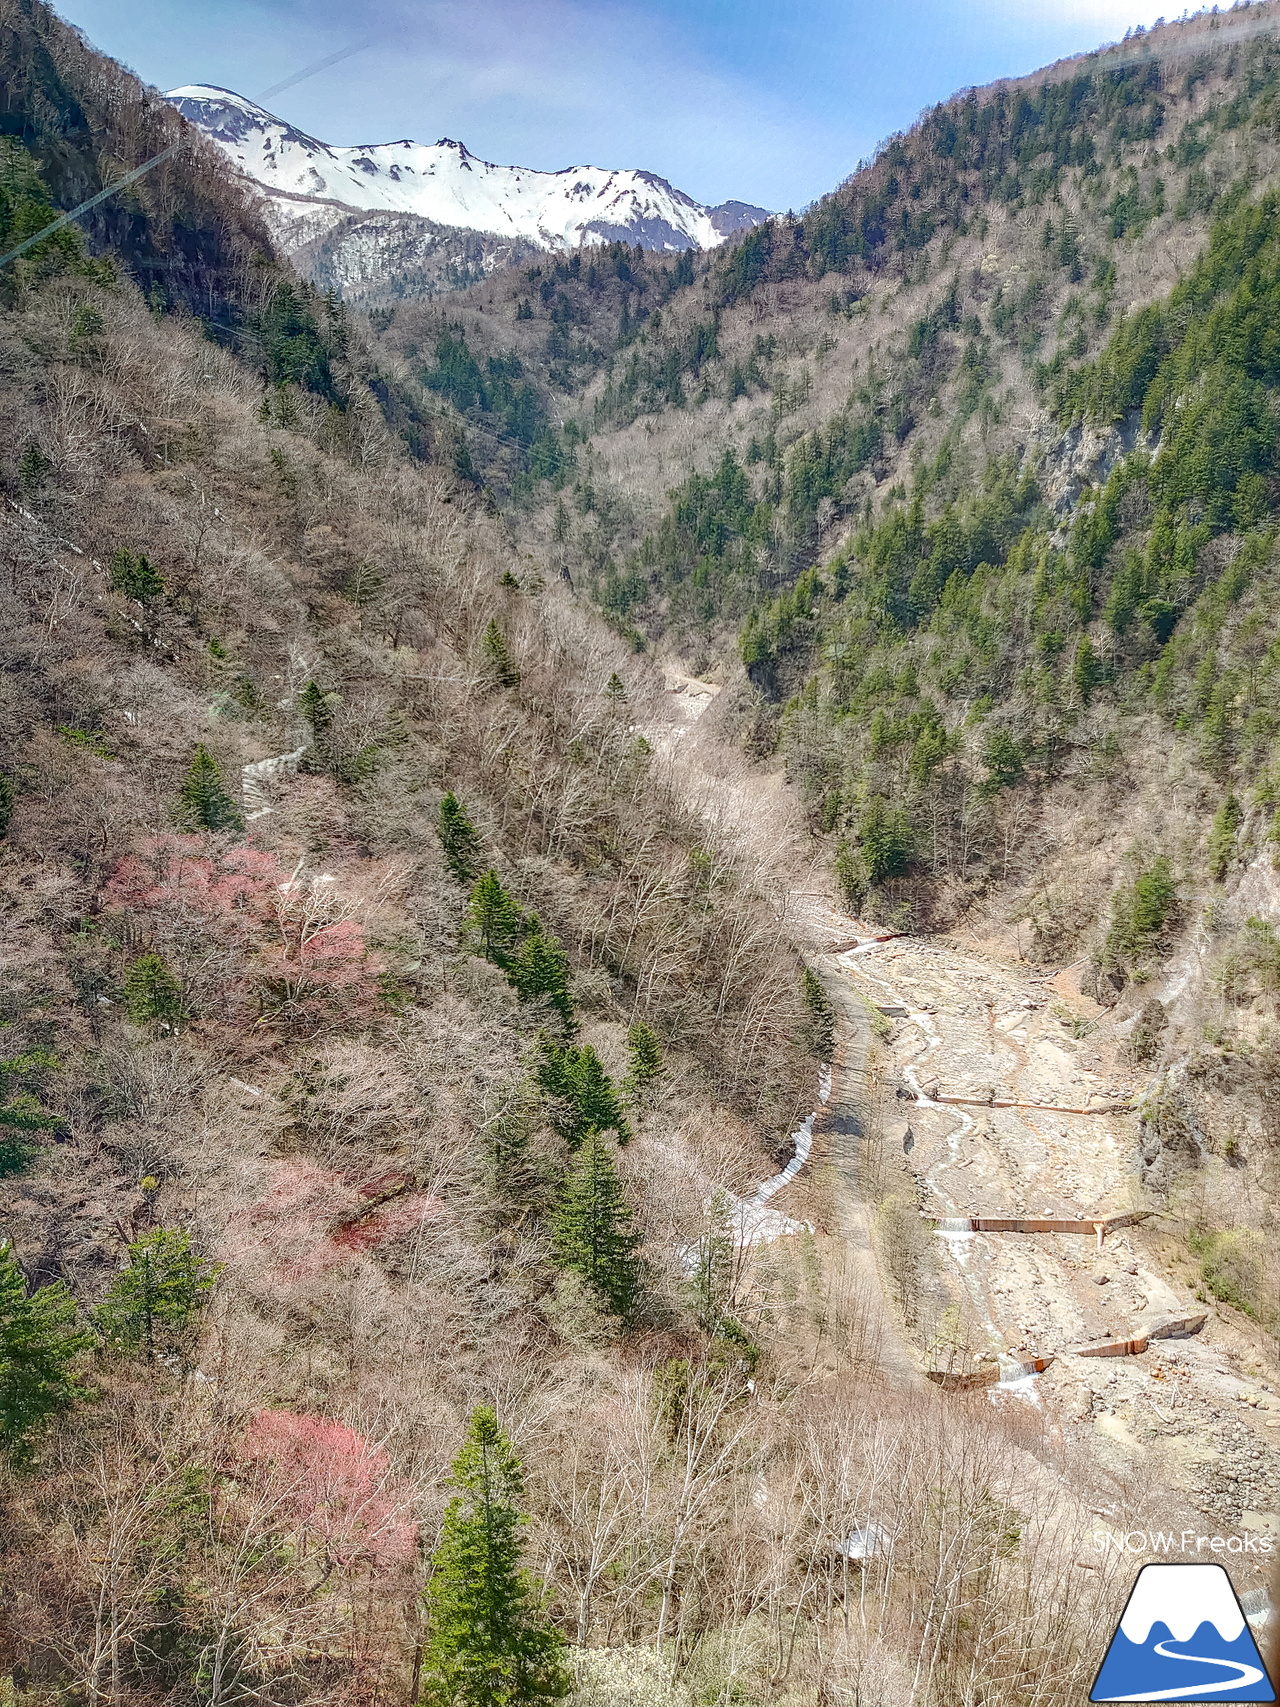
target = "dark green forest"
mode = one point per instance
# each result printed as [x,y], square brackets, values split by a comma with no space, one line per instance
[977,644]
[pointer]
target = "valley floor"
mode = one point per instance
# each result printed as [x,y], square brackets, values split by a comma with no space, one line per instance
[1192,1418]
[1182,1436]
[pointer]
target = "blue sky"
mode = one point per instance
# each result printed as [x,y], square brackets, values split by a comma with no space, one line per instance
[760,100]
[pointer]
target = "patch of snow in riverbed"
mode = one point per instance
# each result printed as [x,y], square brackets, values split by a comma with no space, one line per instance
[753,1221]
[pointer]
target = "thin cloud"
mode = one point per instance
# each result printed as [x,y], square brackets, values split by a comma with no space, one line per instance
[554,84]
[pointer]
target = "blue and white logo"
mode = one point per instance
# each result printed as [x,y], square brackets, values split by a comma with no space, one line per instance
[1183,1637]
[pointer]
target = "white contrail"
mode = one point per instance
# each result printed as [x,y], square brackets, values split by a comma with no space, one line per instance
[66,218]
[320,65]
[155,160]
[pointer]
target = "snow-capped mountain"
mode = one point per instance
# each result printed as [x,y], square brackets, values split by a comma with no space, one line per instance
[314,185]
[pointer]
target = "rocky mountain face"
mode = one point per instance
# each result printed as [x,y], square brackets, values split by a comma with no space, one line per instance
[377,259]
[453,217]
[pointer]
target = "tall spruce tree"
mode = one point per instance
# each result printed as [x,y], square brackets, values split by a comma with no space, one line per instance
[40,1343]
[587,1098]
[458,838]
[496,918]
[135,576]
[501,665]
[593,1230]
[820,1022]
[151,992]
[206,805]
[154,1304]
[317,708]
[22,1114]
[540,970]
[716,1267]
[489,1643]
[644,1067]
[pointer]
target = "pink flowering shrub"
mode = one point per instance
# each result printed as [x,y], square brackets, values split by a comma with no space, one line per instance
[181,874]
[284,1237]
[326,1482]
[390,1224]
[242,931]
[309,1221]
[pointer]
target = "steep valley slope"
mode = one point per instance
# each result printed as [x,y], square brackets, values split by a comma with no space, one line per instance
[960,490]
[957,497]
[487,792]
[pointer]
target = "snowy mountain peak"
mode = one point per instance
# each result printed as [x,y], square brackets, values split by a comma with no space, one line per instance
[447,184]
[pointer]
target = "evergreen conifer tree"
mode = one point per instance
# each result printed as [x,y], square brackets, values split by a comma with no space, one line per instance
[135,576]
[1086,671]
[458,838]
[502,666]
[540,968]
[850,874]
[154,1303]
[206,805]
[645,1054]
[1222,837]
[40,1342]
[885,839]
[820,1024]
[489,1644]
[716,1269]
[22,1113]
[495,917]
[593,1228]
[151,992]
[317,708]
[587,1097]
[34,469]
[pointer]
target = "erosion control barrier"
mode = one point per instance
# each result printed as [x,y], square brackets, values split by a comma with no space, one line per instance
[1110,1348]
[1178,1327]
[1047,1107]
[1012,1367]
[1168,1328]
[952,1381]
[1005,1369]
[1098,1225]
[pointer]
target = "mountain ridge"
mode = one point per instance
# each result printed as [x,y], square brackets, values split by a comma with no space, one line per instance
[311,188]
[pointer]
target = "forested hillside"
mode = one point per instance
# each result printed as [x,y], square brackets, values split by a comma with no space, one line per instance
[378,1018]
[401,1001]
[964,484]
[982,447]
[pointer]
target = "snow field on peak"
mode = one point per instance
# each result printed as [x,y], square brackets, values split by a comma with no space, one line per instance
[445,183]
